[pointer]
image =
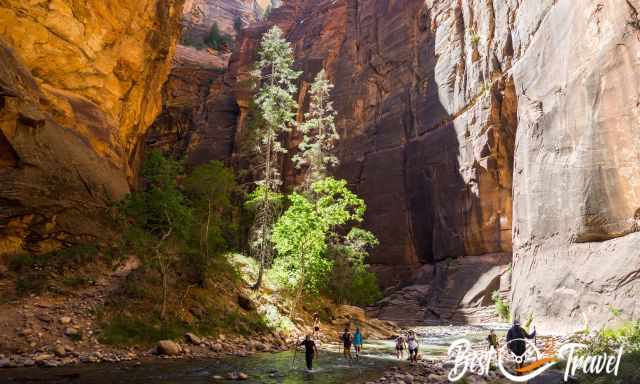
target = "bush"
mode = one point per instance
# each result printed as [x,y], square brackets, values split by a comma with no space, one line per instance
[129,330]
[608,340]
[34,282]
[218,40]
[351,282]
[502,307]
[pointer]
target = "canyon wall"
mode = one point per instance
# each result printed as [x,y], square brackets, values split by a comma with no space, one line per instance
[79,85]
[198,118]
[438,100]
[577,165]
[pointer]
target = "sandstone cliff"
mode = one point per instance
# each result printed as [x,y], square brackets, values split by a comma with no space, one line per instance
[438,100]
[79,85]
[198,116]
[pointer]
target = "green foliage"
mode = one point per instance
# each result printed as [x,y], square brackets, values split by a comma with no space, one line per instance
[180,228]
[475,39]
[301,234]
[33,282]
[351,282]
[130,330]
[277,105]
[608,340]
[502,307]
[318,132]
[529,321]
[59,260]
[210,188]
[160,207]
[218,40]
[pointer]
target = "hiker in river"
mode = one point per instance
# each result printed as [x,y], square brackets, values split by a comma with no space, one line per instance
[309,351]
[357,342]
[412,342]
[516,341]
[492,339]
[316,324]
[401,344]
[347,340]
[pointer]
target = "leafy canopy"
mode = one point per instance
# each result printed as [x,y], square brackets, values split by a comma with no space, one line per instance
[302,232]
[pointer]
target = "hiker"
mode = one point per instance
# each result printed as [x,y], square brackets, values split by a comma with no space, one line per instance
[357,342]
[401,344]
[316,324]
[347,340]
[309,351]
[492,339]
[516,340]
[412,342]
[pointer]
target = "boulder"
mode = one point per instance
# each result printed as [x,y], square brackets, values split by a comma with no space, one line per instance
[59,350]
[169,348]
[192,338]
[64,320]
[246,303]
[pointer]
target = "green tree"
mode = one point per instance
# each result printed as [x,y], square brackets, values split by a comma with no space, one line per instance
[210,188]
[319,133]
[302,233]
[218,40]
[278,108]
[159,217]
[351,282]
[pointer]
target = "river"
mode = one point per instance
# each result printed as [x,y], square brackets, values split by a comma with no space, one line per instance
[269,368]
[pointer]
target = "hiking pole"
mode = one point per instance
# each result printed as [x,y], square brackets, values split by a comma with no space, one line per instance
[295,352]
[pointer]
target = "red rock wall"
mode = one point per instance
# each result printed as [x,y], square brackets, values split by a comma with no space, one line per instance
[436,175]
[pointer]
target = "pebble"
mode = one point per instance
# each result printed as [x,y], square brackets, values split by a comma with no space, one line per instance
[64,320]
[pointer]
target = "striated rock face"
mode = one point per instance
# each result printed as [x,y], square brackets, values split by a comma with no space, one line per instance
[199,114]
[199,15]
[438,100]
[79,85]
[426,135]
[577,173]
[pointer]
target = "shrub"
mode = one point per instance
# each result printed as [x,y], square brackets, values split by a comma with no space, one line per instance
[218,40]
[502,307]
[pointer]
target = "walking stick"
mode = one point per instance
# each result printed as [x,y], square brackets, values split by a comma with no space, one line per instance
[295,352]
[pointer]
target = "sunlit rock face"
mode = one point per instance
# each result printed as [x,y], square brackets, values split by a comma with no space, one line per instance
[577,167]
[80,83]
[438,100]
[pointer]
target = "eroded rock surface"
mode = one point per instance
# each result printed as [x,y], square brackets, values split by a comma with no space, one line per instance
[426,142]
[437,101]
[577,173]
[79,85]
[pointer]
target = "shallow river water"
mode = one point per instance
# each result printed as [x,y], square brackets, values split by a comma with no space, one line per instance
[268,368]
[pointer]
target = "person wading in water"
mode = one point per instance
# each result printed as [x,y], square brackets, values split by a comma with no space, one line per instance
[357,342]
[401,344]
[347,340]
[412,342]
[516,340]
[492,339]
[309,351]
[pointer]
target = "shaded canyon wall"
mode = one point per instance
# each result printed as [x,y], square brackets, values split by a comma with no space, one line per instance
[453,116]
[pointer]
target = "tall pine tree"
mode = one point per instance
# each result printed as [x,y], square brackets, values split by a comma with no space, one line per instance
[278,108]
[319,133]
